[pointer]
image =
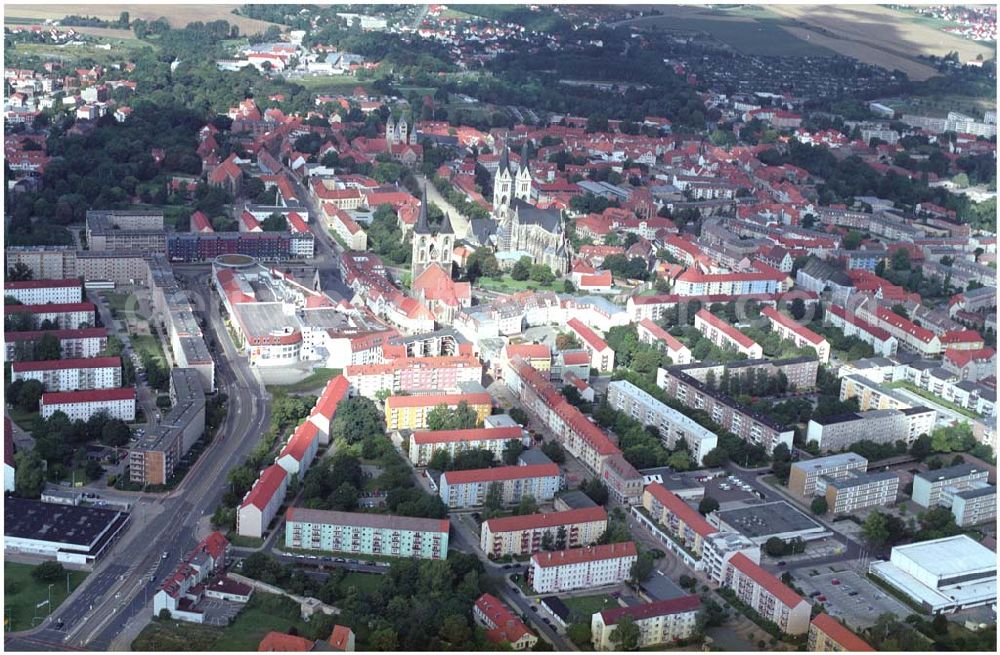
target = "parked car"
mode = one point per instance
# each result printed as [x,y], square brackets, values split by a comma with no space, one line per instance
[821,598]
[835,581]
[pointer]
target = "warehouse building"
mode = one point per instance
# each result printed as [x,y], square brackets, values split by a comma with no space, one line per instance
[72,534]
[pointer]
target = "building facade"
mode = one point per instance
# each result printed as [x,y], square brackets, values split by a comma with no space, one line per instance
[659,622]
[81,405]
[358,533]
[523,535]
[71,374]
[581,568]
[460,489]
[766,595]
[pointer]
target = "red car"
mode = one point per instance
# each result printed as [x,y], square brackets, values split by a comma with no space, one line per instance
[821,599]
[835,581]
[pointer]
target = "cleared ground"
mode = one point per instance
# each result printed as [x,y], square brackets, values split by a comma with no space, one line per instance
[176,15]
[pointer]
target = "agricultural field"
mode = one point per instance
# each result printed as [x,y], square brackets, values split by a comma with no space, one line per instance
[176,15]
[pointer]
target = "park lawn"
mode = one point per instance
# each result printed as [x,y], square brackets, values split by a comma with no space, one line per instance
[247,629]
[318,378]
[584,607]
[167,636]
[330,84]
[507,284]
[365,582]
[22,593]
[147,343]
[123,303]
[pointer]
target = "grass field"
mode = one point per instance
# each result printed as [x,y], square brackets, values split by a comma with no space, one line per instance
[242,541]
[585,607]
[176,15]
[148,343]
[119,51]
[507,284]
[123,303]
[27,421]
[331,84]
[364,582]
[318,378]
[22,593]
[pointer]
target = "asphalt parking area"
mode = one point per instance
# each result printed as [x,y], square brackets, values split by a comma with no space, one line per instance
[859,610]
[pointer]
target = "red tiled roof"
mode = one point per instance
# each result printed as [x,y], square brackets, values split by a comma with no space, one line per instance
[834,630]
[649,610]
[528,350]
[771,584]
[42,284]
[904,324]
[281,642]
[586,334]
[680,509]
[961,336]
[725,328]
[473,434]
[446,361]
[501,473]
[575,357]
[63,364]
[478,398]
[335,391]
[302,438]
[578,555]
[960,357]
[859,323]
[50,308]
[296,223]
[547,520]
[83,333]
[507,627]
[789,323]
[340,637]
[88,396]
[673,343]
[200,222]
[266,486]
[602,279]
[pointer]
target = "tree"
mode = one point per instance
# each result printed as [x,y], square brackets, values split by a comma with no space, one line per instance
[715,457]
[542,274]
[384,640]
[579,634]
[522,269]
[511,451]
[519,415]
[626,634]
[48,572]
[554,451]
[115,433]
[707,505]
[798,309]
[526,506]
[560,543]
[852,240]
[875,530]
[19,272]
[901,260]
[775,547]
[679,461]
[440,461]
[548,543]
[494,497]
[48,348]
[595,490]
[344,498]
[641,568]
[29,476]
[29,395]
[567,341]
[274,223]
[462,417]
[819,506]
[356,419]
[164,614]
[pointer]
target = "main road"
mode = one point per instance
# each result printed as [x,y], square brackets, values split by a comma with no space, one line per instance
[118,594]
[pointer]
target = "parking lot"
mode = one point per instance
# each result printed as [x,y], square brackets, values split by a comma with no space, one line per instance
[726,491]
[852,599]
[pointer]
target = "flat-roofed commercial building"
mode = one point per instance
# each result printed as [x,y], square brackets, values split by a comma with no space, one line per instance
[827,635]
[803,475]
[423,445]
[366,534]
[859,491]
[767,595]
[72,374]
[838,432]
[126,229]
[41,292]
[581,568]
[942,575]
[459,489]
[761,522]
[660,622]
[672,424]
[71,534]
[523,535]
[81,405]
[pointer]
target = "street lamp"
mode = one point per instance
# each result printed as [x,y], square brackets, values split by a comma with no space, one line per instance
[50,598]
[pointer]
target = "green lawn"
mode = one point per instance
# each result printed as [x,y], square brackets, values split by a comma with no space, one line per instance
[144,343]
[167,636]
[245,633]
[244,542]
[22,593]
[923,393]
[27,421]
[318,378]
[507,284]
[123,304]
[584,607]
[365,582]
[332,84]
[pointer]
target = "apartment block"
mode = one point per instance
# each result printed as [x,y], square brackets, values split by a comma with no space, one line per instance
[767,595]
[659,622]
[803,337]
[358,533]
[423,445]
[683,523]
[720,547]
[414,375]
[602,357]
[81,405]
[725,336]
[156,455]
[523,535]
[45,262]
[858,491]
[41,292]
[61,316]
[460,489]
[410,412]
[261,503]
[72,374]
[838,432]
[964,489]
[672,424]
[827,635]
[651,333]
[803,475]
[136,230]
[502,626]
[871,395]
[73,344]
[581,568]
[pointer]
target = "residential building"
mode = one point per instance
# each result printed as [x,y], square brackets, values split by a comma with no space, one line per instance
[673,426]
[963,488]
[827,635]
[62,316]
[725,336]
[858,491]
[502,626]
[43,292]
[650,332]
[803,337]
[81,405]
[199,575]
[871,395]
[720,547]
[803,475]
[9,464]
[602,357]
[261,503]
[883,343]
[71,374]
[359,533]
[838,432]
[73,344]
[127,229]
[972,506]
[581,568]
[459,489]
[410,412]
[767,595]
[299,452]
[523,535]
[423,445]
[941,575]
[681,522]
[342,639]
[414,375]
[153,459]
[661,622]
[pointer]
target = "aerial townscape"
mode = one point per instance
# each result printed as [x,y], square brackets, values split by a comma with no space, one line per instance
[549,327]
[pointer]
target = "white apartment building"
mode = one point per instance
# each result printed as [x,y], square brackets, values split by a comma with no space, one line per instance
[43,292]
[672,424]
[81,405]
[803,475]
[660,622]
[523,535]
[767,595]
[720,547]
[423,445]
[261,503]
[71,374]
[460,489]
[581,568]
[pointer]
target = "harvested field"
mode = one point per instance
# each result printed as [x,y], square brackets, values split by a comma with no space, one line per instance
[176,15]
[877,35]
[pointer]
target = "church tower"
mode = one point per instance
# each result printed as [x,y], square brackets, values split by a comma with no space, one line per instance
[390,130]
[522,183]
[431,247]
[401,128]
[503,181]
